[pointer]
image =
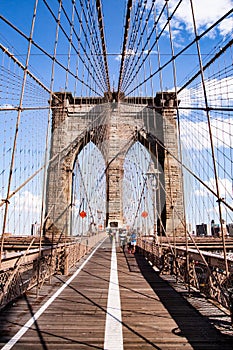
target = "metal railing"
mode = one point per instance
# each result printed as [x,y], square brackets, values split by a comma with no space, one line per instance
[205,273]
[33,267]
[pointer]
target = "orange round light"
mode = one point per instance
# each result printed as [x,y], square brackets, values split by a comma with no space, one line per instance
[83,214]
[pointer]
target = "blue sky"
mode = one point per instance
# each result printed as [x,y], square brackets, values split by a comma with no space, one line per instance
[19,12]
[114,12]
[220,87]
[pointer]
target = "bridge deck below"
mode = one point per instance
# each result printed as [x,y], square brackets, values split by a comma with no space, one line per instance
[153,314]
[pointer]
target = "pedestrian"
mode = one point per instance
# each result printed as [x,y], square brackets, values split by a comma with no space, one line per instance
[122,236]
[133,239]
[110,235]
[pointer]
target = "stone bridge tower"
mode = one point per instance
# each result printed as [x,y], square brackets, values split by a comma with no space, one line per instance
[77,121]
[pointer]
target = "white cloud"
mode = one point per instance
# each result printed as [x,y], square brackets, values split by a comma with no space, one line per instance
[219,92]
[24,209]
[225,188]
[118,58]
[129,52]
[7,106]
[152,52]
[28,201]
[226,26]
[133,53]
[206,13]
[195,135]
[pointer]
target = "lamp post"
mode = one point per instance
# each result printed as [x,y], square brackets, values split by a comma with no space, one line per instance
[99,216]
[152,176]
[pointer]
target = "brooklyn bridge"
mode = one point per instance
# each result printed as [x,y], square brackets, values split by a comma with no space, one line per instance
[116,171]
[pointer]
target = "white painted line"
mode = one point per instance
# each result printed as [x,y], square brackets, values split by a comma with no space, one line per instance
[113,327]
[30,322]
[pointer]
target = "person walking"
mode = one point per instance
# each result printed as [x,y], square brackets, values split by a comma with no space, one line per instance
[123,239]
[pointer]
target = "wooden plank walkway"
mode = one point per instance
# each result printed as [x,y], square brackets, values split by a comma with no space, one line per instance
[154,314]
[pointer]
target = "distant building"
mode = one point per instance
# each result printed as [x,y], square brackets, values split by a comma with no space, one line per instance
[230,229]
[201,230]
[215,229]
[35,229]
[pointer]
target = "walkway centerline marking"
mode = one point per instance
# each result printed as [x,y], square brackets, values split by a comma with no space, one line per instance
[113,327]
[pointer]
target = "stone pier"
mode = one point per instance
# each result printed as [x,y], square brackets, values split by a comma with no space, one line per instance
[75,122]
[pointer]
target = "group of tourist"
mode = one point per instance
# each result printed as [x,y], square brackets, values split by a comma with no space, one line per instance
[125,239]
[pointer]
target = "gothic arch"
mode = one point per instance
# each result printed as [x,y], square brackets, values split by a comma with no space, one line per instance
[113,128]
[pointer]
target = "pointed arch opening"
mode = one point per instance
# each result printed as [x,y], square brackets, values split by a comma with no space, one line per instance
[88,192]
[139,191]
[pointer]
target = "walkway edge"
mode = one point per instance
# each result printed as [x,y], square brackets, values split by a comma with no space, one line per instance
[32,320]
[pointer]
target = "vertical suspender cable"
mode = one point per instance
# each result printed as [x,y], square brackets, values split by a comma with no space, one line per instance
[211,137]
[43,214]
[17,128]
[180,146]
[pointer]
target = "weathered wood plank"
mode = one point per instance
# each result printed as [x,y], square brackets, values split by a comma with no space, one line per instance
[154,314]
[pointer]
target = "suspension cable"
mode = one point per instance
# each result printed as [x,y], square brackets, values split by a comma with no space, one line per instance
[123,54]
[101,28]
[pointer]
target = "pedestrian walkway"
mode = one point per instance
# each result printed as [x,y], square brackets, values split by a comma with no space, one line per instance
[113,300]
